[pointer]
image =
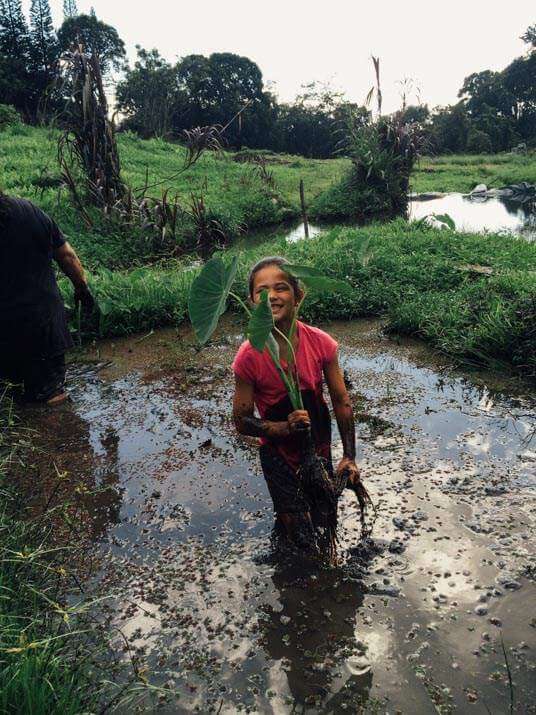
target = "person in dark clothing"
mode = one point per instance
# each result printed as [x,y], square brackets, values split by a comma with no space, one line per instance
[33,324]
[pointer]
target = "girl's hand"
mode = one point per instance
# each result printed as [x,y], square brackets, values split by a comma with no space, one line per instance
[348,466]
[297,420]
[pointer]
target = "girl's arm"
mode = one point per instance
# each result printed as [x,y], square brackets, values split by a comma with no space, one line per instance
[246,423]
[344,415]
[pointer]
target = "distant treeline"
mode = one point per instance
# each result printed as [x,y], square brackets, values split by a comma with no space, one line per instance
[496,110]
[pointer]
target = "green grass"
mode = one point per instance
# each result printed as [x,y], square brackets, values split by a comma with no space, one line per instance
[54,657]
[418,278]
[414,277]
[462,173]
[232,191]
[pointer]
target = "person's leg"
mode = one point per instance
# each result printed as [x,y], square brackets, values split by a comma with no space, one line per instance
[289,503]
[44,380]
[11,373]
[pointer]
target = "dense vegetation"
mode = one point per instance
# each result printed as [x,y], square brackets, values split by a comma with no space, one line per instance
[496,110]
[425,282]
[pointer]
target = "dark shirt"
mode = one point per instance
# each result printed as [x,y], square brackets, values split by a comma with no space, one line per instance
[32,314]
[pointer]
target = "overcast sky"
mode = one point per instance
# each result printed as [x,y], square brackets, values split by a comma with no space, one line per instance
[296,41]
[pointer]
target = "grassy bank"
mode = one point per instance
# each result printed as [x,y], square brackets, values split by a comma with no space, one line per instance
[471,296]
[462,173]
[233,191]
[54,656]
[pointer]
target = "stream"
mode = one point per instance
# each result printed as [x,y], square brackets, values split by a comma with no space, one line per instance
[411,619]
[470,214]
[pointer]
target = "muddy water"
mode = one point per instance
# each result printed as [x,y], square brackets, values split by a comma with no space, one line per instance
[410,621]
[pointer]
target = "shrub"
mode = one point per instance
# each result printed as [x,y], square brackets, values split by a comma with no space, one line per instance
[8,116]
[478,142]
[382,153]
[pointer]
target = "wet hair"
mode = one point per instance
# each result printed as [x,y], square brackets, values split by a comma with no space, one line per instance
[278,261]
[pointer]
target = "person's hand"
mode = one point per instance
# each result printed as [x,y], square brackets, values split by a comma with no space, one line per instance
[349,467]
[298,420]
[83,296]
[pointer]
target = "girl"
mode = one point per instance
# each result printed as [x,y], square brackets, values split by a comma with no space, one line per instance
[258,384]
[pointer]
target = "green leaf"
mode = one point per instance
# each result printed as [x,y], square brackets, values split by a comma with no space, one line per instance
[261,323]
[445,218]
[312,278]
[208,296]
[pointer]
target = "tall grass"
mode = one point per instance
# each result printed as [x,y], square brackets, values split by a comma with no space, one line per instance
[421,280]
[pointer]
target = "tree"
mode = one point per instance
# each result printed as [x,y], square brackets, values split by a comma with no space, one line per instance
[216,88]
[14,41]
[69,9]
[43,44]
[450,126]
[520,80]
[148,94]
[97,38]
[14,51]
[530,36]
[487,89]
[478,142]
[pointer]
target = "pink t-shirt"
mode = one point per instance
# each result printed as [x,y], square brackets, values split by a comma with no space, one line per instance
[315,350]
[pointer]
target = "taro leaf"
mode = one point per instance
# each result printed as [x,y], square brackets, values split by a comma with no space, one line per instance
[208,296]
[314,279]
[448,220]
[261,323]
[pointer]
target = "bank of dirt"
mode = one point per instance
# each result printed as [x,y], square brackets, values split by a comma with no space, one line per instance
[410,621]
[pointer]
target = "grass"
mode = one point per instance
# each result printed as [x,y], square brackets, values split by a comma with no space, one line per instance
[233,191]
[420,279]
[415,277]
[54,656]
[462,173]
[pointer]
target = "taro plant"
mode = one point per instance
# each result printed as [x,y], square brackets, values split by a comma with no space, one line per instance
[208,298]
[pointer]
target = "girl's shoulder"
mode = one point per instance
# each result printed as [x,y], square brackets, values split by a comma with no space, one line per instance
[319,339]
[245,360]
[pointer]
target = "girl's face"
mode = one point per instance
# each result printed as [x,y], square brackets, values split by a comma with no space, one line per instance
[281,296]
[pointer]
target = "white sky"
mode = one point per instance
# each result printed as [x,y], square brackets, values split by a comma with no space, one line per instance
[296,41]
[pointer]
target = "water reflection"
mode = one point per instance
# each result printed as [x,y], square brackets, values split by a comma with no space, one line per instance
[315,633]
[478,215]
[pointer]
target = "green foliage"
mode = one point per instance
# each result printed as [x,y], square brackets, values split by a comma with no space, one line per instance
[8,116]
[97,38]
[478,142]
[232,192]
[261,323]
[70,9]
[529,36]
[382,153]
[148,95]
[415,276]
[208,296]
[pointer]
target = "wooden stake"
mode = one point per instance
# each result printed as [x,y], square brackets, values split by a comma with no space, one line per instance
[303,210]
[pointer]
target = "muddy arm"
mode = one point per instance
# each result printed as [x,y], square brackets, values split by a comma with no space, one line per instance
[347,468]
[69,263]
[245,421]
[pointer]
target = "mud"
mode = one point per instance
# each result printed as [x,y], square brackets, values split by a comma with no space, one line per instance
[410,621]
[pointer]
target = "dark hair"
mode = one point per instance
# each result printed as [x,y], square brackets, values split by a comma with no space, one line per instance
[278,261]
